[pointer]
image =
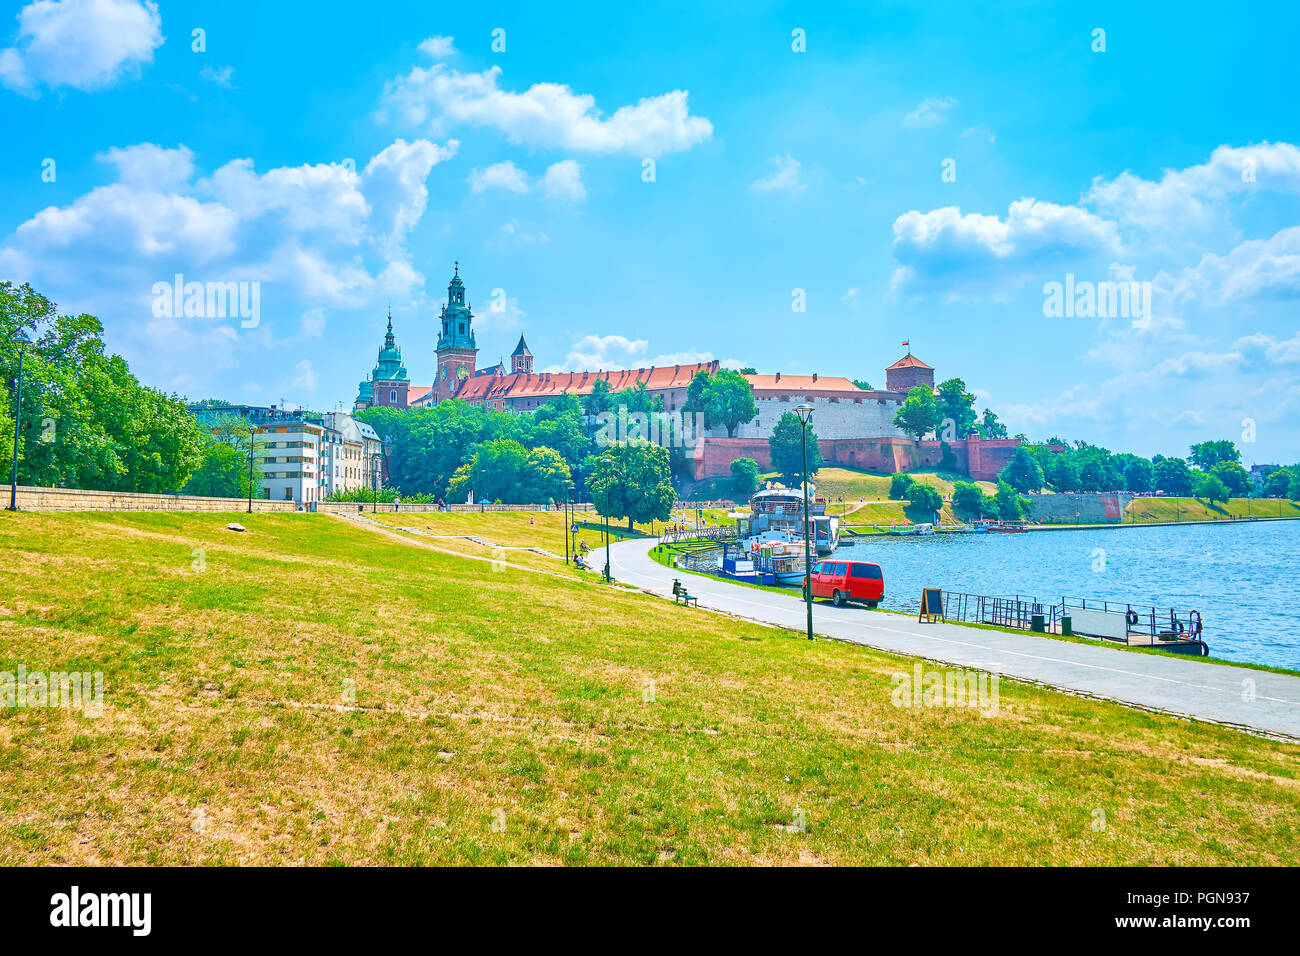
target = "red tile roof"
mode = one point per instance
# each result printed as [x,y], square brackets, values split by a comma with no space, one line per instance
[550,384]
[909,361]
[418,392]
[798,384]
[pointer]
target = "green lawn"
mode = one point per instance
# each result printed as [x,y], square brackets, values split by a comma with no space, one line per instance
[314,692]
[1198,509]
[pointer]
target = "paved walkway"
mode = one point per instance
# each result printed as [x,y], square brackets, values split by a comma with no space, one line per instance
[1181,686]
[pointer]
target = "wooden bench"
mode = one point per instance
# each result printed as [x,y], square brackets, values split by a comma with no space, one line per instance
[681,597]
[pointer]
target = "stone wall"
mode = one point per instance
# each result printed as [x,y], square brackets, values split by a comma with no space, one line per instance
[869,413]
[1079,508]
[75,499]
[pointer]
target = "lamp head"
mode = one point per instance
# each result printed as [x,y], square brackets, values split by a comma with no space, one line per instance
[805,412]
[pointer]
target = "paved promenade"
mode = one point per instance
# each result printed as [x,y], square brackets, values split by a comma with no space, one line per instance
[1232,695]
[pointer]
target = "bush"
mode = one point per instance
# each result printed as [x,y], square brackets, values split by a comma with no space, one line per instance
[925,497]
[900,485]
[967,497]
[744,477]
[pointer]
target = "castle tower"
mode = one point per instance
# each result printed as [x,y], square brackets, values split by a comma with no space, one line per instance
[907,373]
[521,359]
[388,384]
[457,351]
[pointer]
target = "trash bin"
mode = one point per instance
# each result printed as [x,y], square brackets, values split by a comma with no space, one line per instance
[1067,626]
[1036,623]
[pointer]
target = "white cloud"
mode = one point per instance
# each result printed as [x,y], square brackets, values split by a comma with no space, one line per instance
[1275,352]
[604,352]
[563,180]
[220,75]
[1191,204]
[979,132]
[83,44]
[504,175]
[545,115]
[149,166]
[948,251]
[311,324]
[930,111]
[437,47]
[1255,269]
[785,176]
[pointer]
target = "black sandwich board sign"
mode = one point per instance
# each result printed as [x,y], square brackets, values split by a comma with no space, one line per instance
[931,605]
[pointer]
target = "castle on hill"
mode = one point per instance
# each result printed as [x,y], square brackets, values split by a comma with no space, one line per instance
[854,426]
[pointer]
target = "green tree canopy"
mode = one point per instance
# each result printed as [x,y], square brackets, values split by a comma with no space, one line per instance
[919,413]
[744,478]
[1139,475]
[728,401]
[1234,477]
[1022,472]
[786,446]
[1278,483]
[1211,488]
[87,422]
[632,481]
[900,483]
[1205,455]
[1172,476]
[925,497]
[956,405]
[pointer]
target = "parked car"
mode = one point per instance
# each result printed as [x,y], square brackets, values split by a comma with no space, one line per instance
[844,581]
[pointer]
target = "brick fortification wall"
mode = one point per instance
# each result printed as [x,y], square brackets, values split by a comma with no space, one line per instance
[1080,508]
[981,459]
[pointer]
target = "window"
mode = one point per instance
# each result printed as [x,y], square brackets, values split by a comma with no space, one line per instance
[840,570]
[288,494]
[870,572]
[392,395]
[817,568]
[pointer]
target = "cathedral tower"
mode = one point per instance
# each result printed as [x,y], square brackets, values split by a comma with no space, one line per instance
[457,351]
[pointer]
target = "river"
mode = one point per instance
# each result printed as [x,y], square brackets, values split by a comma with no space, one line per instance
[1244,578]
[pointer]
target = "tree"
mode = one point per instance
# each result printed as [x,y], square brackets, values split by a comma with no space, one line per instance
[1294,493]
[544,476]
[990,427]
[226,469]
[1234,477]
[748,371]
[1211,488]
[1172,476]
[87,422]
[956,405]
[967,498]
[744,477]
[1139,475]
[599,399]
[728,400]
[1063,473]
[919,413]
[495,472]
[1278,483]
[1205,455]
[900,484]
[947,460]
[632,481]
[925,497]
[1022,472]
[863,384]
[1008,504]
[786,445]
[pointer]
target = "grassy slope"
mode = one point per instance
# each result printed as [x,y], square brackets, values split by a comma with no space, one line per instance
[479,689]
[1196,509]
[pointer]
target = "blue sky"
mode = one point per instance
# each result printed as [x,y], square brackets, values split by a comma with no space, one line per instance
[343,155]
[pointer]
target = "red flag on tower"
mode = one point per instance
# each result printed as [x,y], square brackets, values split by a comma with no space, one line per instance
[906,343]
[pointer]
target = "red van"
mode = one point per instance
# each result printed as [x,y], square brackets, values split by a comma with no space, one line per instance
[844,581]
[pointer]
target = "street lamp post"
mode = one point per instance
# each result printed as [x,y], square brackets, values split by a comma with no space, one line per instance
[21,339]
[608,462]
[805,412]
[568,525]
[374,483]
[252,433]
